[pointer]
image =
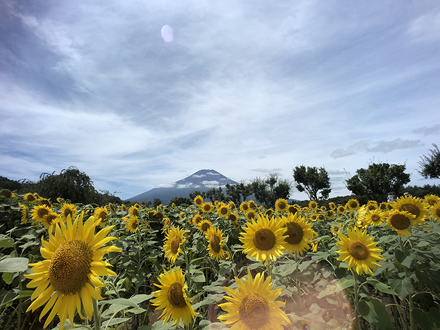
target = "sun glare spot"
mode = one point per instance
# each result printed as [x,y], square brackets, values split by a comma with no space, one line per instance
[167,33]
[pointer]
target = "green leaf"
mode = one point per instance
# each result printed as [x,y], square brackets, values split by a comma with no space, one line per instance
[422,319]
[7,277]
[116,320]
[6,242]
[382,287]
[375,313]
[344,283]
[303,265]
[402,286]
[198,277]
[13,265]
[405,257]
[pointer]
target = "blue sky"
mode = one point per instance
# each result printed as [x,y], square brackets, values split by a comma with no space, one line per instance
[242,87]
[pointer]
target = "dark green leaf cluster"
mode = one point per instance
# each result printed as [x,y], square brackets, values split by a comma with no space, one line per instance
[430,165]
[312,181]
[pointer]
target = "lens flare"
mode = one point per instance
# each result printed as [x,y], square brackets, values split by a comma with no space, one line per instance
[167,33]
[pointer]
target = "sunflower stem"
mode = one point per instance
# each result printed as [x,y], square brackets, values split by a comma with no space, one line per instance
[96,317]
[356,301]
[399,312]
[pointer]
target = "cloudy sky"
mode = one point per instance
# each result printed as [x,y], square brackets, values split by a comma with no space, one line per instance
[140,94]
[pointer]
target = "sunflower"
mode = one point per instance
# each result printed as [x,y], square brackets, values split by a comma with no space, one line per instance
[204,226]
[30,198]
[198,200]
[375,217]
[292,209]
[65,281]
[330,214]
[50,219]
[269,213]
[24,213]
[250,215]
[101,215]
[252,305]
[313,205]
[133,211]
[383,206]
[281,205]
[412,205]
[244,206]
[340,209]
[172,298]
[132,224]
[123,207]
[434,211]
[39,212]
[332,206]
[352,204]
[7,193]
[430,200]
[207,207]
[314,217]
[359,250]
[173,243]
[196,219]
[400,221]
[263,239]
[298,233]
[45,201]
[223,210]
[215,246]
[252,205]
[68,210]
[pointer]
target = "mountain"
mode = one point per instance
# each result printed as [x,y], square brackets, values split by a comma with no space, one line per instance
[201,180]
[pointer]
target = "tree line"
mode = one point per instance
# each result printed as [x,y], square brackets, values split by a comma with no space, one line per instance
[372,183]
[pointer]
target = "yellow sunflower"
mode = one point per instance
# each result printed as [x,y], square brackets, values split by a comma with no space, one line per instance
[173,243]
[359,250]
[223,210]
[352,204]
[341,209]
[24,213]
[101,215]
[252,306]
[250,215]
[332,206]
[400,221]
[330,214]
[133,211]
[50,219]
[375,217]
[244,206]
[68,209]
[199,201]
[132,224]
[313,205]
[434,211]
[431,200]
[196,219]
[7,193]
[292,209]
[204,226]
[207,207]
[281,205]
[65,281]
[30,198]
[172,298]
[39,212]
[252,205]
[298,234]
[413,205]
[263,239]
[215,243]
[269,213]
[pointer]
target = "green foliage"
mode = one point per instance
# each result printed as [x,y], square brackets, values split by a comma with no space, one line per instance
[312,181]
[267,191]
[430,165]
[177,201]
[379,179]
[238,193]
[69,184]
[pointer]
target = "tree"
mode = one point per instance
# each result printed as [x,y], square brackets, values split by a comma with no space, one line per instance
[379,179]
[430,165]
[69,184]
[313,181]
[238,193]
[178,200]
[215,195]
[267,191]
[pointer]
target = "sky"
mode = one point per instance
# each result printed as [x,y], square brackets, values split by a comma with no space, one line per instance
[141,94]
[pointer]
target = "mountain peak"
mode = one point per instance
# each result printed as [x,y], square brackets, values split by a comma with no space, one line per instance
[204,179]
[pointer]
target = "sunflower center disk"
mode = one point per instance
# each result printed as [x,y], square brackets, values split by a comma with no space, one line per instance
[294,233]
[175,295]
[410,208]
[175,244]
[400,222]
[205,226]
[264,239]
[254,311]
[375,218]
[358,251]
[42,212]
[214,242]
[70,266]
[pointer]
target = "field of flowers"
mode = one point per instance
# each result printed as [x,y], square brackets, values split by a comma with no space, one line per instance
[216,265]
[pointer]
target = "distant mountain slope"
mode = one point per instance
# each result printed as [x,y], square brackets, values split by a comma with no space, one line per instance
[201,180]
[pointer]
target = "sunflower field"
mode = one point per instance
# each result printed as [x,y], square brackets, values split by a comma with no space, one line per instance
[219,265]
